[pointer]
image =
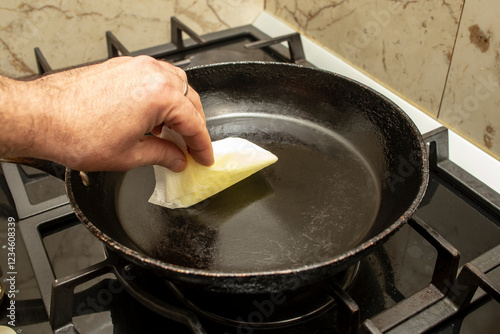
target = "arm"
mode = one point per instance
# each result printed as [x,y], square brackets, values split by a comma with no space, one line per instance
[16,125]
[96,117]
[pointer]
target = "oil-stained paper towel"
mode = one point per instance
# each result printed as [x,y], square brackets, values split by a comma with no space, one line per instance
[235,160]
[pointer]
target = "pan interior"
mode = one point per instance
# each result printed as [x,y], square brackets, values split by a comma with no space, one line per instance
[317,201]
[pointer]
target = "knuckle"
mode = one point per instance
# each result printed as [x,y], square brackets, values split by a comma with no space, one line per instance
[144,61]
[181,73]
[118,60]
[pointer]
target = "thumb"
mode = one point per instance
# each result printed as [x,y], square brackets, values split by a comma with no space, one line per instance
[157,151]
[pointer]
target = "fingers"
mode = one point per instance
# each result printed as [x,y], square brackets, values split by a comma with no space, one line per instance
[183,113]
[186,117]
[183,118]
[168,105]
[156,151]
[192,95]
[157,130]
[195,135]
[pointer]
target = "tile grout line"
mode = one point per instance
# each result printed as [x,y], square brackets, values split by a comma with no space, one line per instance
[451,60]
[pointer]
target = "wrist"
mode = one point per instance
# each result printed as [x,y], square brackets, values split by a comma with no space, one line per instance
[15,134]
[22,119]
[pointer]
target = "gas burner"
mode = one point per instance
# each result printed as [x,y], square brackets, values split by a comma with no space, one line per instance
[263,311]
[266,311]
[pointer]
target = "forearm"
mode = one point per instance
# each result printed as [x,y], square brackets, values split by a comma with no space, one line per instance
[17,126]
[25,119]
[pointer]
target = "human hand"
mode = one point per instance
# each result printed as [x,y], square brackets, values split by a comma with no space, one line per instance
[96,117]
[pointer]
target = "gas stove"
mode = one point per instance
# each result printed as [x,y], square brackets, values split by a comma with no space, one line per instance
[439,274]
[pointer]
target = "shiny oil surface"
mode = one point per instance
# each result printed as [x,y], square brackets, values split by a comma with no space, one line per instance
[319,200]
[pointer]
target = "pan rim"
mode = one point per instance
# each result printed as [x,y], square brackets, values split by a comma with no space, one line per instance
[356,251]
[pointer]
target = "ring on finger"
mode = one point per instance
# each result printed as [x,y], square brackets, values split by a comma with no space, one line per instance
[186,88]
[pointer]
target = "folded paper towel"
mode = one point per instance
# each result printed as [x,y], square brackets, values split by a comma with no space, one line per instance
[235,160]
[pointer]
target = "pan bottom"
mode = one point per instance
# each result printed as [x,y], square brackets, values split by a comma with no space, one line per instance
[266,311]
[319,200]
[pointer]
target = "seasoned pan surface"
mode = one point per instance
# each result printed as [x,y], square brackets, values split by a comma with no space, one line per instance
[303,209]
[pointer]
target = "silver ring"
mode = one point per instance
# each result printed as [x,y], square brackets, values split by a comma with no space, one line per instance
[186,88]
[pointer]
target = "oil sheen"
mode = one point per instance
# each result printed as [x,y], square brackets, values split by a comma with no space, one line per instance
[317,201]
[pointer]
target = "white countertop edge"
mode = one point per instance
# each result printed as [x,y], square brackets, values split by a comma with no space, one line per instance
[465,154]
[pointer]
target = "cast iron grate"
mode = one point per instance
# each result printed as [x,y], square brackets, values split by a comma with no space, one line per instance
[445,296]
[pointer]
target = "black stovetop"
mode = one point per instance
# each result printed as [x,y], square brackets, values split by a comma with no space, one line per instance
[398,288]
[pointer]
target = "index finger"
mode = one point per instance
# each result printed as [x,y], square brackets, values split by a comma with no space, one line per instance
[185,119]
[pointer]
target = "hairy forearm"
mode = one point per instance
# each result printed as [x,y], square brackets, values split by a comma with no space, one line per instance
[25,119]
[29,120]
[17,125]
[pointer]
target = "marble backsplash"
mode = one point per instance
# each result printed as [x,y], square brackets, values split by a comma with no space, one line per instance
[443,56]
[73,32]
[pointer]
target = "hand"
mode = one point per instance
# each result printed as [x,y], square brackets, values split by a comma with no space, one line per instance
[96,117]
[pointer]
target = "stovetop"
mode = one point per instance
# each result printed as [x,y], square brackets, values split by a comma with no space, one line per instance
[408,285]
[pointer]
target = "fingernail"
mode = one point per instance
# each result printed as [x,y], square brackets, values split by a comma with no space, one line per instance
[177,165]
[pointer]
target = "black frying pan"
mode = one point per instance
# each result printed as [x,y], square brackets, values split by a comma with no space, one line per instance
[351,169]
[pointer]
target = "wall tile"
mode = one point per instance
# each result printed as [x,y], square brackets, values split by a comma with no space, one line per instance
[471,101]
[73,32]
[443,56]
[406,45]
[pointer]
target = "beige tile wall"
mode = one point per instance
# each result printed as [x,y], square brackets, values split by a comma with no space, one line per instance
[71,32]
[442,56]
[471,101]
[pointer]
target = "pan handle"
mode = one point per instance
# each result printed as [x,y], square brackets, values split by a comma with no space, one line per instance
[53,168]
